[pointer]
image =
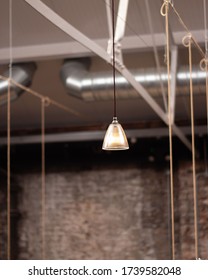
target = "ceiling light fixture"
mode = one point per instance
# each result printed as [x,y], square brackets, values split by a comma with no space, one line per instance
[115,138]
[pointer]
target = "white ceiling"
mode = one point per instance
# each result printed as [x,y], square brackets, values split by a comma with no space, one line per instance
[31,31]
[36,39]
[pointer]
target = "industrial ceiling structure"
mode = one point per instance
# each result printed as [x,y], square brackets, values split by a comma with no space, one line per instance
[69,43]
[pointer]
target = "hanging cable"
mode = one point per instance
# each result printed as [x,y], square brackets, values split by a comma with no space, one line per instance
[187,42]
[164,12]
[114,68]
[44,103]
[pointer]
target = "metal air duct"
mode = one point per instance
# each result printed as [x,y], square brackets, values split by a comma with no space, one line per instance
[22,74]
[98,86]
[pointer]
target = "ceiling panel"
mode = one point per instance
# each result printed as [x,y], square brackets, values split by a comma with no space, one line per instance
[28,27]
[87,16]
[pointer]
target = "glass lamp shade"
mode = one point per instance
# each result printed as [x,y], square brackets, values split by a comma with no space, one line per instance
[115,138]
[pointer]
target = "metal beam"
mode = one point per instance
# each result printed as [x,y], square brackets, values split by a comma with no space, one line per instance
[121,20]
[77,35]
[96,135]
[174,62]
[119,29]
[88,43]
[74,49]
[109,19]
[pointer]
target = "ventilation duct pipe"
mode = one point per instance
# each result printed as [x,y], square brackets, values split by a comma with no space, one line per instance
[98,86]
[22,74]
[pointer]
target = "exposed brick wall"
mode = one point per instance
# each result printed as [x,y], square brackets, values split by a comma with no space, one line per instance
[96,214]
[108,213]
[186,210]
[3,216]
[14,217]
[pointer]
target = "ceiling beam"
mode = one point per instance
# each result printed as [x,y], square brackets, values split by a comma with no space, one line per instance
[109,19]
[77,35]
[121,17]
[121,20]
[75,49]
[48,51]
[96,135]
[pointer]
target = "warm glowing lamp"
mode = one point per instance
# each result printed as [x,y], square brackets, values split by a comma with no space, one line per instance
[115,138]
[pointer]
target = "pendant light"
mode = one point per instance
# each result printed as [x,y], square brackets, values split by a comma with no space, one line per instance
[115,138]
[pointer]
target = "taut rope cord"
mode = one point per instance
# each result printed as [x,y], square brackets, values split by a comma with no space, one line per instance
[40,96]
[162,11]
[165,13]
[204,67]
[187,42]
[186,28]
[8,173]
[44,103]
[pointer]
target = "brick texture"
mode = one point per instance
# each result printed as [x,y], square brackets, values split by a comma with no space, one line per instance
[109,213]
[186,209]
[3,217]
[96,214]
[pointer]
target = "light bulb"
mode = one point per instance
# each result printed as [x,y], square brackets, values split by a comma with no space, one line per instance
[115,138]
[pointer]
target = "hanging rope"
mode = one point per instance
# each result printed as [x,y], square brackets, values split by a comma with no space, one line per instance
[8,172]
[44,102]
[164,12]
[185,27]
[187,42]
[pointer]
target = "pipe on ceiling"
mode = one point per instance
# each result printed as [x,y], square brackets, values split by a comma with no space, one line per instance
[22,74]
[91,86]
